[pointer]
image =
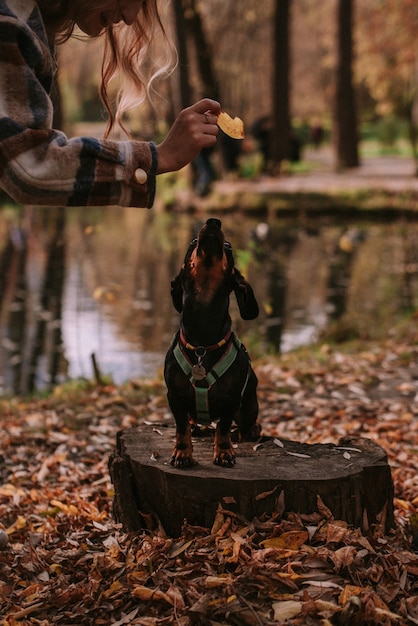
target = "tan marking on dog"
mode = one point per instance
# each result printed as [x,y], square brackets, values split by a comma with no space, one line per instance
[207,279]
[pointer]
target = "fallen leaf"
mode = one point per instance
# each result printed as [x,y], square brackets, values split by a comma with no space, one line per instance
[286,610]
[150,595]
[217,581]
[291,540]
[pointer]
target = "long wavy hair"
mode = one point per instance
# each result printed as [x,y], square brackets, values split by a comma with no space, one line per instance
[127,58]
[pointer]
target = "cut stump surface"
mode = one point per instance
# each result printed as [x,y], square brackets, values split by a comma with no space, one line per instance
[353,479]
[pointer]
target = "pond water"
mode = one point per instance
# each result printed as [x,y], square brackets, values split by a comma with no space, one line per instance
[76,283]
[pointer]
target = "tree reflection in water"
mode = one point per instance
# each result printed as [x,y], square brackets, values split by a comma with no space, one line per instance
[31,302]
[76,282]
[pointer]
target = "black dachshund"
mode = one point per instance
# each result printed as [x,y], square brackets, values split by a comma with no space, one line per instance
[207,370]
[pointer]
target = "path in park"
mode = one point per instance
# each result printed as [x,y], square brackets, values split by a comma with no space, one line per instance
[392,174]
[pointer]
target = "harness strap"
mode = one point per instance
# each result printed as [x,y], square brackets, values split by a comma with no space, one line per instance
[215,346]
[202,387]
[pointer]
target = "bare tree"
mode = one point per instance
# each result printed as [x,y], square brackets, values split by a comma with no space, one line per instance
[345,131]
[183,67]
[281,126]
[203,52]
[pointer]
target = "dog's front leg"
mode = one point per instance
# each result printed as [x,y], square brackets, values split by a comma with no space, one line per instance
[183,450]
[223,453]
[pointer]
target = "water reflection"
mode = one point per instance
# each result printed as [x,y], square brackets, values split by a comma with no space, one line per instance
[76,283]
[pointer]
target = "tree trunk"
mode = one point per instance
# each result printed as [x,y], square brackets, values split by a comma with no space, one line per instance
[197,35]
[281,125]
[352,479]
[346,134]
[183,66]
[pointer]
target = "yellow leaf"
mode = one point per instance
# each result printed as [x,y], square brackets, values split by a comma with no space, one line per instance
[291,540]
[232,127]
[19,524]
[10,491]
[68,509]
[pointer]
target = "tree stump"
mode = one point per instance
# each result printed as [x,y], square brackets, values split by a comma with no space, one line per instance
[353,479]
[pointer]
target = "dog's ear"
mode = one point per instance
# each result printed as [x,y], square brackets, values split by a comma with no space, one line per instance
[177,293]
[244,294]
[229,255]
[190,249]
[177,283]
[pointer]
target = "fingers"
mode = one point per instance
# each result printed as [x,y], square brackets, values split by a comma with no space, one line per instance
[208,111]
[207,105]
[194,128]
[210,118]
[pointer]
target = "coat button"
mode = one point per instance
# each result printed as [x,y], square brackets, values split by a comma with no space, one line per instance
[141,176]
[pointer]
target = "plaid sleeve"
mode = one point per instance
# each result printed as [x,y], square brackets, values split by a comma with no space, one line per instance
[41,166]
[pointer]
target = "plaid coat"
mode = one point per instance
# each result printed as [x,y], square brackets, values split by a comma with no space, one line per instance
[39,165]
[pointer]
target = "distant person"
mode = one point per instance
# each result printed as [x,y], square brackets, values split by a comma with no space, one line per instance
[204,172]
[261,131]
[316,134]
[295,146]
[39,165]
[231,150]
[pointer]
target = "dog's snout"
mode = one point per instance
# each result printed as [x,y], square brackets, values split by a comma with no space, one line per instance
[213,222]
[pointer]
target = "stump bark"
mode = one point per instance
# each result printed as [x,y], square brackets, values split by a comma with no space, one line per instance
[353,479]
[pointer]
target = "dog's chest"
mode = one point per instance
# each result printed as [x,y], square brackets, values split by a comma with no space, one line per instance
[206,282]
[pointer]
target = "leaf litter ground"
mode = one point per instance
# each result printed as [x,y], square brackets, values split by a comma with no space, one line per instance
[64,560]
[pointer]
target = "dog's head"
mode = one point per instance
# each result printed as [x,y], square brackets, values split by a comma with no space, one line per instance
[209,266]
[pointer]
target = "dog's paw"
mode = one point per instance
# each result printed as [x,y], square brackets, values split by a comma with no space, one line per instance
[224,455]
[251,435]
[225,460]
[182,460]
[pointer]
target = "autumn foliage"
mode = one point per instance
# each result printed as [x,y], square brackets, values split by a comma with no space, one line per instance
[63,559]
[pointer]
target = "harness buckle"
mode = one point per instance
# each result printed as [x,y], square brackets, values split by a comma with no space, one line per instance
[198,371]
[200,352]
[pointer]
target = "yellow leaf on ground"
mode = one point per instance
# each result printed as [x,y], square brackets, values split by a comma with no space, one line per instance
[291,540]
[286,610]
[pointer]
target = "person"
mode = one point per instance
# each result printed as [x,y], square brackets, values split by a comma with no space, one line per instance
[261,131]
[204,172]
[42,166]
[231,150]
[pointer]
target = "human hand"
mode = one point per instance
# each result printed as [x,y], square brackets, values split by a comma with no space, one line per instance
[194,128]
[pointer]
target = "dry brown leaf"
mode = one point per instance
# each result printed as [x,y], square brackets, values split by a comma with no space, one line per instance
[348,592]
[343,557]
[291,540]
[322,509]
[51,545]
[327,608]
[179,549]
[148,595]
[286,610]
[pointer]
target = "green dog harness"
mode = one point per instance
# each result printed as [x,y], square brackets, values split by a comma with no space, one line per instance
[202,384]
